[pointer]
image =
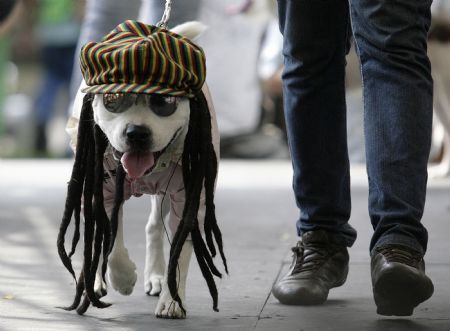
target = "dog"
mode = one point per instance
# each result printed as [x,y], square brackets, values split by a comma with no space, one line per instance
[144,138]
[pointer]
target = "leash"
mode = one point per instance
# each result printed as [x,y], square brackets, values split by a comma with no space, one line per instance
[166,15]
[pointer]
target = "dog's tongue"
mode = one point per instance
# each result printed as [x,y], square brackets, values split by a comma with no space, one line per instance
[137,163]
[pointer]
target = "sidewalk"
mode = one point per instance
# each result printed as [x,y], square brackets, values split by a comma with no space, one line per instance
[257,213]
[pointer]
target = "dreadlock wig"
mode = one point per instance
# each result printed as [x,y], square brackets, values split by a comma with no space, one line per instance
[198,161]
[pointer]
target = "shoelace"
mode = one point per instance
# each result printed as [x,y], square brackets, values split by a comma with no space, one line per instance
[401,255]
[302,252]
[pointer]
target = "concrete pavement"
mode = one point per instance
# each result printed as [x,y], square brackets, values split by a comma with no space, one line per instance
[257,214]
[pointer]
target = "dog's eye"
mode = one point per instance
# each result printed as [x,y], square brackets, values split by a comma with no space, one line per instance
[117,102]
[163,105]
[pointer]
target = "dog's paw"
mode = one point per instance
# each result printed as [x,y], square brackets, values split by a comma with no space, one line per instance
[169,308]
[153,285]
[122,274]
[100,287]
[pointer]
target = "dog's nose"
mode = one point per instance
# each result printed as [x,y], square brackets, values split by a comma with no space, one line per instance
[138,135]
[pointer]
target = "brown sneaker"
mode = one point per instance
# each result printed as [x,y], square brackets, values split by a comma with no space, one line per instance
[398,280]
[318,265]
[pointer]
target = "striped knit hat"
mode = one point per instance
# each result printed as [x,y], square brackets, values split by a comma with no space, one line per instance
[140,58]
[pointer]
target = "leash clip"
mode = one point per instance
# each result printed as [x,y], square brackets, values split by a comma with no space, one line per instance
[166,15]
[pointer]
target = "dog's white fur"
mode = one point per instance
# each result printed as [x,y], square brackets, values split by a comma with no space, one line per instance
[121,269]
[441,125]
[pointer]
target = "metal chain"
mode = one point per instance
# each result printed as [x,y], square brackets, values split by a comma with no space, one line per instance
[166,15]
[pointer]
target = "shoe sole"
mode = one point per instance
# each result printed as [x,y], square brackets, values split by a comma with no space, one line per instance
[398,291]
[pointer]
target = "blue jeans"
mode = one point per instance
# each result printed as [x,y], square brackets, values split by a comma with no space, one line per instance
[390,37]
[57,64]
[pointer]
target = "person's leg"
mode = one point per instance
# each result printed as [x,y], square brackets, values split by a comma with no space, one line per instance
[46,97]
[44,105]
[315,44]
[391,38]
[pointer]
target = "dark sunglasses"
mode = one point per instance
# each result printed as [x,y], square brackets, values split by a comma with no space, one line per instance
[161,105]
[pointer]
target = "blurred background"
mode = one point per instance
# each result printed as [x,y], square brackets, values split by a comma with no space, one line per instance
[39,72]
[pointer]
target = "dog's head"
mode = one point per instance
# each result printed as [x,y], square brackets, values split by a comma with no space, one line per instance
[142,124]
[141,127]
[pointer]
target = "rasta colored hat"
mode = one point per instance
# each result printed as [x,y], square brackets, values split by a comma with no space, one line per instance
[140,58]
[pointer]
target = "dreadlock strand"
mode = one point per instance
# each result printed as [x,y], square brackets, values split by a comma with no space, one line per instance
[178,240]
[75,185]
[181,234]
[190,150]
[60,243]
[208,237]
[203,251]
[212,226]
[195,150]
[211,220]
[76,233]
[218,237]
[111,228]
[211,173]
[204,267]
[99,209]
[86,120]
[89,228]
[78,293]
[210,178]
[89,225]
[67,216]
[78,196]
[84,305]
[203,255]
[172,267]
[210,217]
[186,225]
[208,224]
[106,245]
[99,217]
[194,171]
[118,200]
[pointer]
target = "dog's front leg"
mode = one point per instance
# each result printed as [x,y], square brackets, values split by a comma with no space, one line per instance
[167,307]
[154,255]
[99,285]
[121,270]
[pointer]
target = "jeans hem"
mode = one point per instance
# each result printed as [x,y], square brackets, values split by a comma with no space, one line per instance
[398,240]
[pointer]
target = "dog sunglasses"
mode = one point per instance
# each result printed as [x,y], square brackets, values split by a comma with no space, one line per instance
[161,105]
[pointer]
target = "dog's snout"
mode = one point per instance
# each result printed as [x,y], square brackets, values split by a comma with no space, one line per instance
[137,132]
[138,136]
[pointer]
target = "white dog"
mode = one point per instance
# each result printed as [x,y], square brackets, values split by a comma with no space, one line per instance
[146,134]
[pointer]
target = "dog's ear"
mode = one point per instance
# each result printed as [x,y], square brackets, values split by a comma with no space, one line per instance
[75,114]
[190,30]
[78,101]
